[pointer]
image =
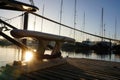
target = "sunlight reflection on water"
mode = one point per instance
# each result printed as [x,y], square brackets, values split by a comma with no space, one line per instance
[9,54]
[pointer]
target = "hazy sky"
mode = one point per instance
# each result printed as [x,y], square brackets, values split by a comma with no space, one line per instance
[92,9]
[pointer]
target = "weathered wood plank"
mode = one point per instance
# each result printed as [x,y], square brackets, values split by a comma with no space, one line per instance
[78,69]
[100,69]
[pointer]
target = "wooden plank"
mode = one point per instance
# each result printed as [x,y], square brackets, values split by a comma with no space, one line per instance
[81,69]
[93,67]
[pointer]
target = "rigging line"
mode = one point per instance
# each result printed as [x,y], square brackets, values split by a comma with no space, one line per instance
[14,17]
[73,28]
[21,23]
[1,21]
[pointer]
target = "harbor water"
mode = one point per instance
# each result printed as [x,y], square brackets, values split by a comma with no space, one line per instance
[11,53]
[92,55]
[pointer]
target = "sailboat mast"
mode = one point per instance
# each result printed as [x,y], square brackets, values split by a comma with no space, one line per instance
[75,16]
[102,23]
[42,15]
[104,30]
[115,36]
[61,10]
[83,24]
[32,2]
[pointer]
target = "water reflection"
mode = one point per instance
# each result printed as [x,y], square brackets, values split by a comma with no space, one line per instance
[108,56]
[9,54]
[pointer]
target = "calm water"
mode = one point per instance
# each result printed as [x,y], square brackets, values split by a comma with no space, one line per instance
[9,54]
[92,55]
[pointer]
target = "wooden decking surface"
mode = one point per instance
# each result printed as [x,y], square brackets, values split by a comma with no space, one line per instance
[77,69]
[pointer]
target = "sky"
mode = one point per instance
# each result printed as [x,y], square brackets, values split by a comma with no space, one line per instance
[91,8]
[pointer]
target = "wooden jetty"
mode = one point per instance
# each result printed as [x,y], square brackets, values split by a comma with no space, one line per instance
[75,69]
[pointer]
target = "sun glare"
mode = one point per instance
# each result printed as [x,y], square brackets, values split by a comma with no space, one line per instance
[28,56]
